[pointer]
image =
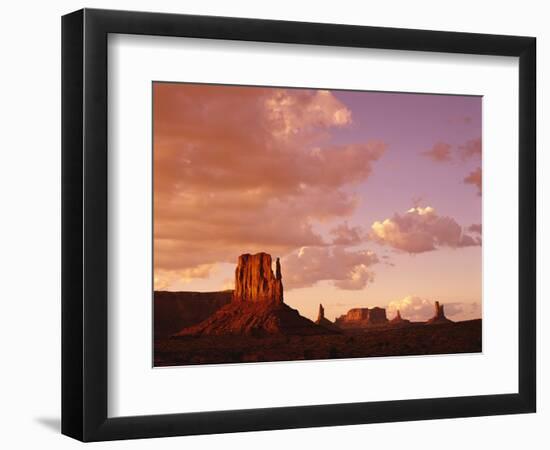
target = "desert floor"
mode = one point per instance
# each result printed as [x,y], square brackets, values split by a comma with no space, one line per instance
[415,339]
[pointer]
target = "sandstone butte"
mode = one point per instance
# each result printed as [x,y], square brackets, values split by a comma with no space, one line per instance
[362,317]
[255,281]
[257,307]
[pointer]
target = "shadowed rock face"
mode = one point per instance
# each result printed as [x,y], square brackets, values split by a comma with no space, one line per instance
[439,315]
[362,317]
[255,281]
[398,320]
[323,321]
[321,314]
[255,319]
[175,310]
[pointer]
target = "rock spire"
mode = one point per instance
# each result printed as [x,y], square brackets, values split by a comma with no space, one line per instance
[439,314]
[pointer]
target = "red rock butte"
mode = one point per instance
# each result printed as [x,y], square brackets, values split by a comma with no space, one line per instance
[362,317]
[257,307]
[255,281]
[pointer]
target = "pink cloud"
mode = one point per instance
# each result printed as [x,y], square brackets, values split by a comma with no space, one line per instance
[346,269]
[461,120]
[163,279]
[420,230]
[293,112]
[440,152]
[240,169]
[474,178]
[343,234]
[471,149]
[475,228]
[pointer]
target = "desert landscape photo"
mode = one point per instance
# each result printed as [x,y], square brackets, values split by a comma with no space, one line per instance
[305,224]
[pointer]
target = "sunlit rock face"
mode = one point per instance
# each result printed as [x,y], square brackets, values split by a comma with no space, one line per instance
[255,280]
[362,317]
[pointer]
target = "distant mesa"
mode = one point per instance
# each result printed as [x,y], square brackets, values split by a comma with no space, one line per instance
[323,321]
[398,320]
[175,310]
[257,307]
[439,315]
[362,317]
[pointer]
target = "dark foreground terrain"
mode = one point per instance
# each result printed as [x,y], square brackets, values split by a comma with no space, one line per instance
[177,310]
[416,339]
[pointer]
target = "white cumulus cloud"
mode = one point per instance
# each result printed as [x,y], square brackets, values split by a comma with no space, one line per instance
[421,230]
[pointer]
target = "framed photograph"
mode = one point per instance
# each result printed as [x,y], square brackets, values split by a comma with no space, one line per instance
[273,224]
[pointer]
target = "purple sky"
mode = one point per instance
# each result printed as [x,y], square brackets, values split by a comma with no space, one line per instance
[355,162]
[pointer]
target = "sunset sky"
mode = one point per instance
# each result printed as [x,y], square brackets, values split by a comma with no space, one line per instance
[369,198]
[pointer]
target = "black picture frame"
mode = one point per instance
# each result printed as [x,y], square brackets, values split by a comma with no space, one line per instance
[84,224]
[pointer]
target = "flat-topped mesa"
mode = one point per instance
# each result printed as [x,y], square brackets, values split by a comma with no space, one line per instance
[356,314]
[361,317]
[255,280]
[377,315]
